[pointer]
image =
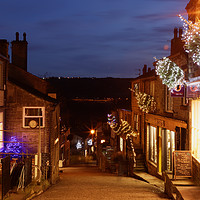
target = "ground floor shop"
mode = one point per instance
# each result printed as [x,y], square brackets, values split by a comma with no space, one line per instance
[163,136]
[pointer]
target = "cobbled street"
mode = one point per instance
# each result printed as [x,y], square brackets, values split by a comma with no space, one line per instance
[81,183]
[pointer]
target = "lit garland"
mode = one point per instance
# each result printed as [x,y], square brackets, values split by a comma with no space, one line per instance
[170,73]
[14,147]
[191,38]
[145,101]
[124,128]
[121,128]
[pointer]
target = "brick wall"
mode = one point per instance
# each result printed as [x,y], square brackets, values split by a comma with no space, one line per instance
[18,98]
[196,171]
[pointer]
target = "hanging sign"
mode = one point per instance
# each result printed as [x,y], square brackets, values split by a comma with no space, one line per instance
[178,91]
[193,90]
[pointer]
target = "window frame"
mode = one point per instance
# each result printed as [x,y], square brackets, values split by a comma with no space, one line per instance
[38,117]
[168,101]
[153,153]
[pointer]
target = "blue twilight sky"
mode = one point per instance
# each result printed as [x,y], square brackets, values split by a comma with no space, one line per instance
[92,38]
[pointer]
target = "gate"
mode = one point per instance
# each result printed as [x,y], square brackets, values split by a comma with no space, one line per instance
[27,171]
[5,175]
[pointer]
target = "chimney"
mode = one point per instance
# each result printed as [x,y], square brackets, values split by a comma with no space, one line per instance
[19,52]
[4,47]
[175,33]
[144,69]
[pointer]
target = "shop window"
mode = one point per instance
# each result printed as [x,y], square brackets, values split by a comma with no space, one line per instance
[121,143]
[168,141]
[196,128]
[1,131]
[168,100]
[33,114]
[152,143]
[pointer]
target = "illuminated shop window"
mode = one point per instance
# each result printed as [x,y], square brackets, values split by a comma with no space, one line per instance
[170,148]
[33,114]
[121,144]
[196,128]
[1,130]
[152,143]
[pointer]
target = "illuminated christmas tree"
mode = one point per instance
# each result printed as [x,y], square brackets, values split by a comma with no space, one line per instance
[14,147]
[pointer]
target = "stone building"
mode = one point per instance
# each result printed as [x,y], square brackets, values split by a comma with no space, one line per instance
[4,61]
[32,116]
[162,129]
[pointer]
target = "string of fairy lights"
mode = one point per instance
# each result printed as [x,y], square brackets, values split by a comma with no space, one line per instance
[170,73]
[123,128]
[145,101]
[191,37]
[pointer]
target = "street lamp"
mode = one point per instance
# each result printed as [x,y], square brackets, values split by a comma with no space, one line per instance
[92,131]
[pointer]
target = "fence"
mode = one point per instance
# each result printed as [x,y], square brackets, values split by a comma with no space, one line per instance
[5,175]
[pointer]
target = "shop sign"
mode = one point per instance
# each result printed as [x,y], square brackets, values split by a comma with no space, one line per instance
[182,164]
[193,90]
[178,91]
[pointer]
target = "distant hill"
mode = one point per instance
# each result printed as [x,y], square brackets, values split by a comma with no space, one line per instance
[92,88]
[80,100]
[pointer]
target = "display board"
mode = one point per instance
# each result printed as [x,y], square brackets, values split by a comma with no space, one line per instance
[182,164]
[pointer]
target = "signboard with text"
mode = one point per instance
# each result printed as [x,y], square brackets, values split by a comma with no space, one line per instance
[182,164]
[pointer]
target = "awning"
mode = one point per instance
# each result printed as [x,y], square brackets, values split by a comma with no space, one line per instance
[165,122]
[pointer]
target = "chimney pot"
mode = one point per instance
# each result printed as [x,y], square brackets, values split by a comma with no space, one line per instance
[145,69]
[17,36]
[24,36]
[175,32]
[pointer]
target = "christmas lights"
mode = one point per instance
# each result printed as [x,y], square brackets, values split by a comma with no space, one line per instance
[191,37]
[170,73]
[14,147]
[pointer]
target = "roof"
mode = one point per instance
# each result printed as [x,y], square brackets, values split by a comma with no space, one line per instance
[29,82]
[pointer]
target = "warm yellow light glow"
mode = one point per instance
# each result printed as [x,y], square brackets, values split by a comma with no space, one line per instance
[196,128]
[92,131]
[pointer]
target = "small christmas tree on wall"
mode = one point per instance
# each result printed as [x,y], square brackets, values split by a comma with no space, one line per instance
[14,147]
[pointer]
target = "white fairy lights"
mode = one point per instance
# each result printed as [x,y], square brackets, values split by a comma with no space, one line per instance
[145,101]
[191,38]
[170,73]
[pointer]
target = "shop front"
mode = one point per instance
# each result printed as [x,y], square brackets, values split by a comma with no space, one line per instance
[161,141]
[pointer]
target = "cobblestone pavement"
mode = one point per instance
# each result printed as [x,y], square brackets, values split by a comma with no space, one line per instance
[88,183]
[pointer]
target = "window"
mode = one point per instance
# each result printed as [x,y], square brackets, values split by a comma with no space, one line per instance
[152,143]
[136,122]
[168,141]
[168,100]
[121,144]
[196,128]
[33,113]
[136,87]
[152,88]
[1,131]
